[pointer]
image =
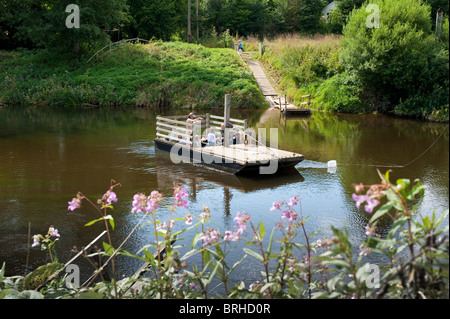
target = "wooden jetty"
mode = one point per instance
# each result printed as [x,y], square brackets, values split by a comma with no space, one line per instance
[240,152]
[288,109]
[262,80]
[272,96]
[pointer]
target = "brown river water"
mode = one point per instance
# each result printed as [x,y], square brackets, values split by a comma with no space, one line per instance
[48,155]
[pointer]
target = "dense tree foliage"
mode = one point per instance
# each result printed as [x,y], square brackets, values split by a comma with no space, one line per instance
[398,64]
[41,22]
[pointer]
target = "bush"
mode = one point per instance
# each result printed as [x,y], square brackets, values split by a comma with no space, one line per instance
[339,94]
[397,61]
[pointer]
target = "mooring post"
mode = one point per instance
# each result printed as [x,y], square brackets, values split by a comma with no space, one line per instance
[207,120]
[226,119]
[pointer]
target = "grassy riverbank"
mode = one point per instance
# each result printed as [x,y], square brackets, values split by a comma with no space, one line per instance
[159,74]
[314,65]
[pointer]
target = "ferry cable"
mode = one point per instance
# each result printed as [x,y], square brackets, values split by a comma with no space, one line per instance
[403,166]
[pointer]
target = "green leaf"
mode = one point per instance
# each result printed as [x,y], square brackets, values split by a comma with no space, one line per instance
[340,263]
[111,220]
[427,223]
[380,212]
[195,240]
[441,218]
[93,221]
[40,276]
[109,250]
[266,286]
[253,253]
[262,231]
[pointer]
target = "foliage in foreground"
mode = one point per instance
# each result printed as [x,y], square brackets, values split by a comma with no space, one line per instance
[157,74]
[416,249]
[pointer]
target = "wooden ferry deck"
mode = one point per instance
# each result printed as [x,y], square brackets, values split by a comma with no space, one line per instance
[247,155]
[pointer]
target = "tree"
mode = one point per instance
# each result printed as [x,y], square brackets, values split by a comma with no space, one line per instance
[304,15]
[399,62]
[340,15]
[13,18]
[44,23]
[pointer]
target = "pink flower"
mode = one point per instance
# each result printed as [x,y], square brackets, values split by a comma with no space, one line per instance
[188,219]
[109,197]
[276,206]
[74,204]
[210,237]
[180,197]
[370,230]
[371,204]
[290,214]
[231,236]
[53,232]
[359,199]
[240,222]
[364,250]
[36,241]
[293,201]
[139,203]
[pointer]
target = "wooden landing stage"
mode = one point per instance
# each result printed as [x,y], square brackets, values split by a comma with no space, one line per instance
[288,109]
[273,98]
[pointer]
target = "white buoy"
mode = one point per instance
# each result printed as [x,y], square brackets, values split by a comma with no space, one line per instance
[331,167]
[332,163]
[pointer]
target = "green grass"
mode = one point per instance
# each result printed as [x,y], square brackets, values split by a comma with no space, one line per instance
[300,65]
[159,74]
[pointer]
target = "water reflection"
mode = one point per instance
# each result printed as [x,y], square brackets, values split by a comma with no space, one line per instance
[48,155]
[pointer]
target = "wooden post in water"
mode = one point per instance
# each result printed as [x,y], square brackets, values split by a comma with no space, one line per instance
[207,121]
[226,119]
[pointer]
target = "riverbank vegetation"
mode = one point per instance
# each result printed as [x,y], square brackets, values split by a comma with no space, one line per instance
[399,67]
[158,74]
[415,250]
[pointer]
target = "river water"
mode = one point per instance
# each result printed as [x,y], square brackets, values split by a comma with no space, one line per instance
[48,155]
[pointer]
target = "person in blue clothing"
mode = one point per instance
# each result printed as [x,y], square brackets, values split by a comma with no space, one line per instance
[240,47]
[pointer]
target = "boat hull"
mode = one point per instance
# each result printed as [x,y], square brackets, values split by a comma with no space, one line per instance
[187,154]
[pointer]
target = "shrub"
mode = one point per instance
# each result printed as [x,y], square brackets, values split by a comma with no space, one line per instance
[398,60]
[339,94]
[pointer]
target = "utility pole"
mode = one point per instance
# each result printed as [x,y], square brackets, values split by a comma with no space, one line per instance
[189,33]
[196,18]
[439,14]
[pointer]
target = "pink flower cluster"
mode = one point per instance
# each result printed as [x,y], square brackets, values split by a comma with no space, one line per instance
[75,203]
[240,221]
[52,232]
[371,197]
[109,197]
[146,204]
[180,196]
[371,202]
[210,237]
[289,213]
